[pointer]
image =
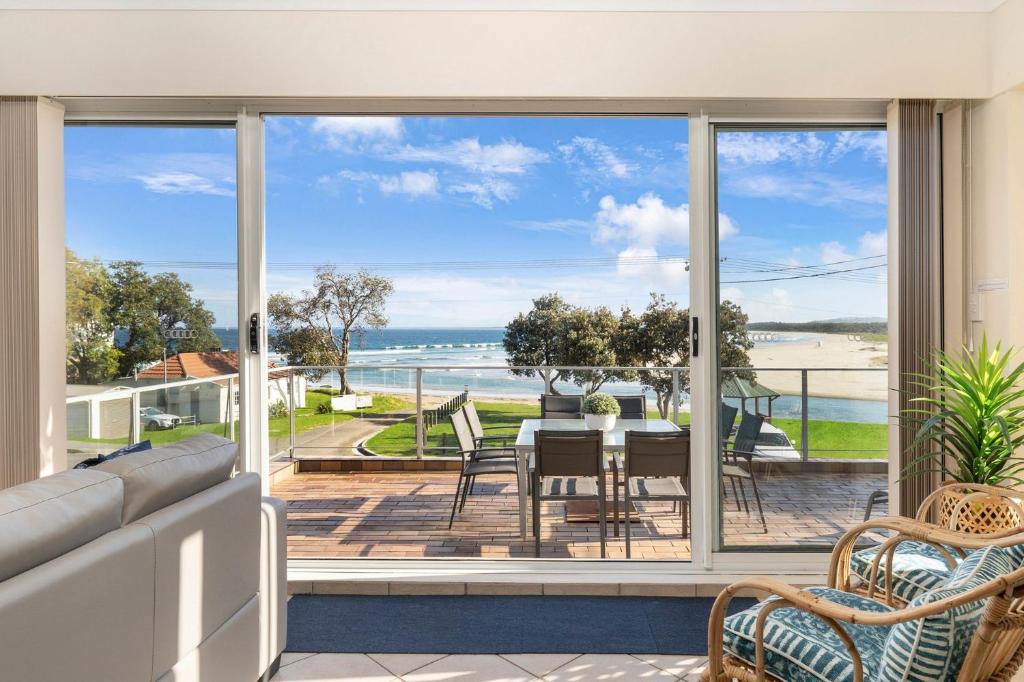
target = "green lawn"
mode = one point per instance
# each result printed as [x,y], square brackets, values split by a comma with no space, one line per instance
[828,439]
[306,418]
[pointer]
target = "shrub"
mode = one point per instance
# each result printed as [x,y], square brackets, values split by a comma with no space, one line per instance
[278,409]
[601,403]
[324,408]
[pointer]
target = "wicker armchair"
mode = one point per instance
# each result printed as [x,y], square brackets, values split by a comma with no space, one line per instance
[919,555]
[824,634]
[967,605]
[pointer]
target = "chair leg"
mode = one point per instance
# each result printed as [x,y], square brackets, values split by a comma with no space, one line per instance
[615,502]
[735,493]
[465,491]
[760,509]
[602,513]
[743,494]
[536,518]
[626,496]
[684,506]
[455,502]
[472,486]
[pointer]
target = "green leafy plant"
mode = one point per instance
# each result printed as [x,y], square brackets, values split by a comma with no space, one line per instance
[971,416]
[601,403]
[277,410]
[324,408]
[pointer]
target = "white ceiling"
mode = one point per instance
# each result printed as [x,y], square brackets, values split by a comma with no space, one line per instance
[520,5]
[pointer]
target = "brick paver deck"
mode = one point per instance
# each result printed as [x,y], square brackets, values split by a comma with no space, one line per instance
[405,514]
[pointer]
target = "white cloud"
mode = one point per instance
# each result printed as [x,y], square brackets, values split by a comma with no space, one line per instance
[563,225]
[815,189]
[182,183]
[768,148]
[598,156]
[869,244]
[180,173]
[340,132]
[834,252]
[508,157]
[874,243]
[872,144]
[410,183]
[486,191]
[413,184]
[649,222]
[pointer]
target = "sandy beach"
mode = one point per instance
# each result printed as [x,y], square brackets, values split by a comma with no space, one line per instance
[825,350]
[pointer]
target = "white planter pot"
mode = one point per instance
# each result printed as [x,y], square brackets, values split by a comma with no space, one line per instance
[602,422]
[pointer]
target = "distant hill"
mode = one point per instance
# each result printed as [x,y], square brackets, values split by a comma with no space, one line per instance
[839,325]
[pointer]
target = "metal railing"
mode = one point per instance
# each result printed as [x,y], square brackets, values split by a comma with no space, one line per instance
[428,418]
[419,386]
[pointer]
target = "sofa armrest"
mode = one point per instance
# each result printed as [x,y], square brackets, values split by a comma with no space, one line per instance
[273,582]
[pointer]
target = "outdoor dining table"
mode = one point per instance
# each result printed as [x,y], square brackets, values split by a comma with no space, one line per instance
[614,441]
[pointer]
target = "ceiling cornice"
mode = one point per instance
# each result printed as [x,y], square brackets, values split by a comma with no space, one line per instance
[902,6]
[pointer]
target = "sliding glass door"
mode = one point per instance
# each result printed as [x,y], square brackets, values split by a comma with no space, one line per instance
[801,220]
[151,275]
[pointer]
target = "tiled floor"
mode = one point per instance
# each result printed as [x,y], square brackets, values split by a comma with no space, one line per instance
[405,514]
[487,668]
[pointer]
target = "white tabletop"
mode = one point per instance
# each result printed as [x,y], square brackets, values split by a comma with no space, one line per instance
[614,440]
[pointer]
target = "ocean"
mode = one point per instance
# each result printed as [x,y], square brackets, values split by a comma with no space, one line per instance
[469,351]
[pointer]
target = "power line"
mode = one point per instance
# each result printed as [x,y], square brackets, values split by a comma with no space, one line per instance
[726,265]
[804,276]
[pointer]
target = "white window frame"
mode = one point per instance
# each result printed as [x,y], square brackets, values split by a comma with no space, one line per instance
[708,561]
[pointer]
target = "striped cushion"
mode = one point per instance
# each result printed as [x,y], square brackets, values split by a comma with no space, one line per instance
[800,646]
[917,568]
[1016,554]
[933,649]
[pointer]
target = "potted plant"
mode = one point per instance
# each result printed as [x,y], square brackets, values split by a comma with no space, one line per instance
[600,411]
[972,422]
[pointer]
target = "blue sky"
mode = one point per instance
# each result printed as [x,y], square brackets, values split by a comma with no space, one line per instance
[458,211]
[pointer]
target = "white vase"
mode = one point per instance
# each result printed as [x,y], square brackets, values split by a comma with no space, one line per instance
[601,422]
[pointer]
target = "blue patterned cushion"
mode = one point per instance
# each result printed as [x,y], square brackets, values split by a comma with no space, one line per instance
[799,646]
[932,649]
[1016,554]
[917,568]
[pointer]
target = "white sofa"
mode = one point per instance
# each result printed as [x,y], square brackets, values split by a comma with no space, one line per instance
[156,566]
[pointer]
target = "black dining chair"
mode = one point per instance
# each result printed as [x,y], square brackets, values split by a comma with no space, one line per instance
[632,406]
[657,467]
[476,461]
[561,406]
[737,463]
[569,465]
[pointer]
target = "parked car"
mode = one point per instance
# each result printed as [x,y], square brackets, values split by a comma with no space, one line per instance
[153,419]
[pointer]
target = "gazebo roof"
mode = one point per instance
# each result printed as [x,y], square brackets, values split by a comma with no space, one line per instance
[736,387]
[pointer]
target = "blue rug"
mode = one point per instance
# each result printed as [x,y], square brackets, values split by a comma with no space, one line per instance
[500,625]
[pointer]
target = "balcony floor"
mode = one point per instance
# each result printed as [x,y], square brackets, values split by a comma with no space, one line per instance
[405,515]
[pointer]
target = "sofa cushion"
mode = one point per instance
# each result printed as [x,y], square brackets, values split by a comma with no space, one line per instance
[207,564]
[917,567]
[86,615]
[43,519]
[933,648]
[800,646]
[157,478]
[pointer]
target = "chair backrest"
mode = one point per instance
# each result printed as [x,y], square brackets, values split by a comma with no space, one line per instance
[632,406]
[475,427]
[746,434]
[657,454]
[568,453]
[463,434]
[728,420]
[561,406]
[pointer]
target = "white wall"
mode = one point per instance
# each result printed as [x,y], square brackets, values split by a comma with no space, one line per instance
[499,54]
[1007,39]
[997,215]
